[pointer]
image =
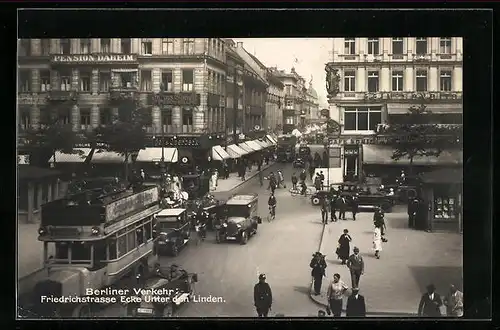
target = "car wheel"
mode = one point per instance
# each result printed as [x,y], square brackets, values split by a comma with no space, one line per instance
[175,250]
[315,201]
[244,238]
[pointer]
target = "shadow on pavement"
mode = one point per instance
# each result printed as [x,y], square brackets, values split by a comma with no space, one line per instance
[302,289]
[440,276]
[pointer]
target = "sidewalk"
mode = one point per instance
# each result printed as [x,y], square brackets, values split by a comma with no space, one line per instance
[410,260]
[233,182]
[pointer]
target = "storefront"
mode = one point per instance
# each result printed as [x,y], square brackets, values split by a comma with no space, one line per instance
[442,192]
[153,159]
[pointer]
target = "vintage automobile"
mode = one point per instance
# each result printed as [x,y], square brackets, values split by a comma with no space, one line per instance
[299,162]
[366,195]
[162,292]
[240,219]
[172,230]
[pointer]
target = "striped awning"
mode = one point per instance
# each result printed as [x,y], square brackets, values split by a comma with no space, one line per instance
[235,152]
[79,156]
[218,153]
[263,143]
[271,139]
[154,155]
[108,157]
[254,145]
[246,147]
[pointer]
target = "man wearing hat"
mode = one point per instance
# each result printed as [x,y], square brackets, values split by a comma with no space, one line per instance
[318,265]
[356,306]
[356,266]
[430,303]
[262,296]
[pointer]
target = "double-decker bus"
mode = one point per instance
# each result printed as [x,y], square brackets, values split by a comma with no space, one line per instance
[99,239]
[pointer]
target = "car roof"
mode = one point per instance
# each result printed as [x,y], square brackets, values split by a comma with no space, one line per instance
[242,199]
[170,212]
[155,282]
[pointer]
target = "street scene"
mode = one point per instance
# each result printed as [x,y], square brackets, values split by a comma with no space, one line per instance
[261,179]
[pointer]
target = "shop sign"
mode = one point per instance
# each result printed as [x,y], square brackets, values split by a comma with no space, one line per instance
[413,96]
[94,58]
[131,204]
[177,99]
[30,99]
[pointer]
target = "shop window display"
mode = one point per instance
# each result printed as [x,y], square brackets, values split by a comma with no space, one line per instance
[444,207]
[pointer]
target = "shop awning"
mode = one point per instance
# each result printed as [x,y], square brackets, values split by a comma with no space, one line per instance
[246,147]
[218,153]
[235,152]
[271,139]
[402,108]
[263,144]
[382,155]
[254,145]
[443,176]
[107,157]
[153,155]
[79,156]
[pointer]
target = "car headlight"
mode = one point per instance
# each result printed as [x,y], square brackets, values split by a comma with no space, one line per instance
[224,225]
[238,225]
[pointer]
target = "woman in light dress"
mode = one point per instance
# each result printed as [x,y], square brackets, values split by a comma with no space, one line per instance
[377,241]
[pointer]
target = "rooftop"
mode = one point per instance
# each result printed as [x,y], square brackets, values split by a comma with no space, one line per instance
[241,199]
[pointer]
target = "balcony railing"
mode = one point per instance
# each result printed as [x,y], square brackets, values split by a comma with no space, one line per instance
[168,129]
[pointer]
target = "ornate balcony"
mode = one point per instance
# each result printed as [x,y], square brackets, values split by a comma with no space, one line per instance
[63,96]
[123,93]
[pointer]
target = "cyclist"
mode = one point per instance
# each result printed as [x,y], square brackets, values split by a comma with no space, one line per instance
[281,179]
[272,205]
[272,182]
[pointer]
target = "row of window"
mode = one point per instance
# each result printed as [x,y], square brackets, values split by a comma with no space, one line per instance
[63,80]
[85,46]
[397,81]
[421,46]
[362,118]
[216,83]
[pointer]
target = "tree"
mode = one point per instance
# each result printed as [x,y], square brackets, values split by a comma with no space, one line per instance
[52,136]
[126,134]
[418,136]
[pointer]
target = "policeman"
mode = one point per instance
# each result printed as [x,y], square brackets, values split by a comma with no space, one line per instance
[333,207]
[262,296]
[324,210]
[354,205]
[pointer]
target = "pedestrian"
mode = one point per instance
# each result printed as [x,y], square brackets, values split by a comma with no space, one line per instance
[303,176]
[335,293]
[377,241]
[322,178]
[454,302]
[294,181]
[342,205]
[324,210]
[344,248]
[262,296]
[272,182]
[354,206]
[318,265]
[311,172]
[356,306]
[317,182]
[333,205]
[430,303]
[356,266]
[261,178]
[379,220]
[412,212]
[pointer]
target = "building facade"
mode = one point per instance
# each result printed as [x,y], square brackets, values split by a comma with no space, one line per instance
[373,81]
[310,107]
[274,102]
[234,93]
[294,98]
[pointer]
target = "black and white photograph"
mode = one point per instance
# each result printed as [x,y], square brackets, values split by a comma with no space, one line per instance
[235,177]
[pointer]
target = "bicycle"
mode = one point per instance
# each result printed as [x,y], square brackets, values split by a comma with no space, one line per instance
[272,213]
[298,191]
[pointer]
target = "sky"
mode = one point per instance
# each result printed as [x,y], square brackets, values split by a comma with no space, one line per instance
[307,55]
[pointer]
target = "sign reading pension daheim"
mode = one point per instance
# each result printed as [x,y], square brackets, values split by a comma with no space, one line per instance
[91,58]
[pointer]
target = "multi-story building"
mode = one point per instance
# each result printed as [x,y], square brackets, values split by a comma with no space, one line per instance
[310,107]
[88,81]
[255,88]
[234,93]
[374,81]
[274,102]
[294,97]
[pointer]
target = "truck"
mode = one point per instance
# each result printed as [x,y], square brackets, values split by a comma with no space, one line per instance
[285,150]
[101,240]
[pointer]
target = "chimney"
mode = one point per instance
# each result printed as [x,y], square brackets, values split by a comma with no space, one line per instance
[239,44]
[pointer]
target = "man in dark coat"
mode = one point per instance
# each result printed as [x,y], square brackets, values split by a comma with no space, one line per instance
[312,169]
[430,303]
[356,306]
[262,296]
[342,205]
[318,265]
[412,212]
[333,205]
[303,176]
[354,206]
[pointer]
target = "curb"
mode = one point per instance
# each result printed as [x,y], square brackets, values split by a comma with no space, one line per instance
[320,303]
[247,180]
